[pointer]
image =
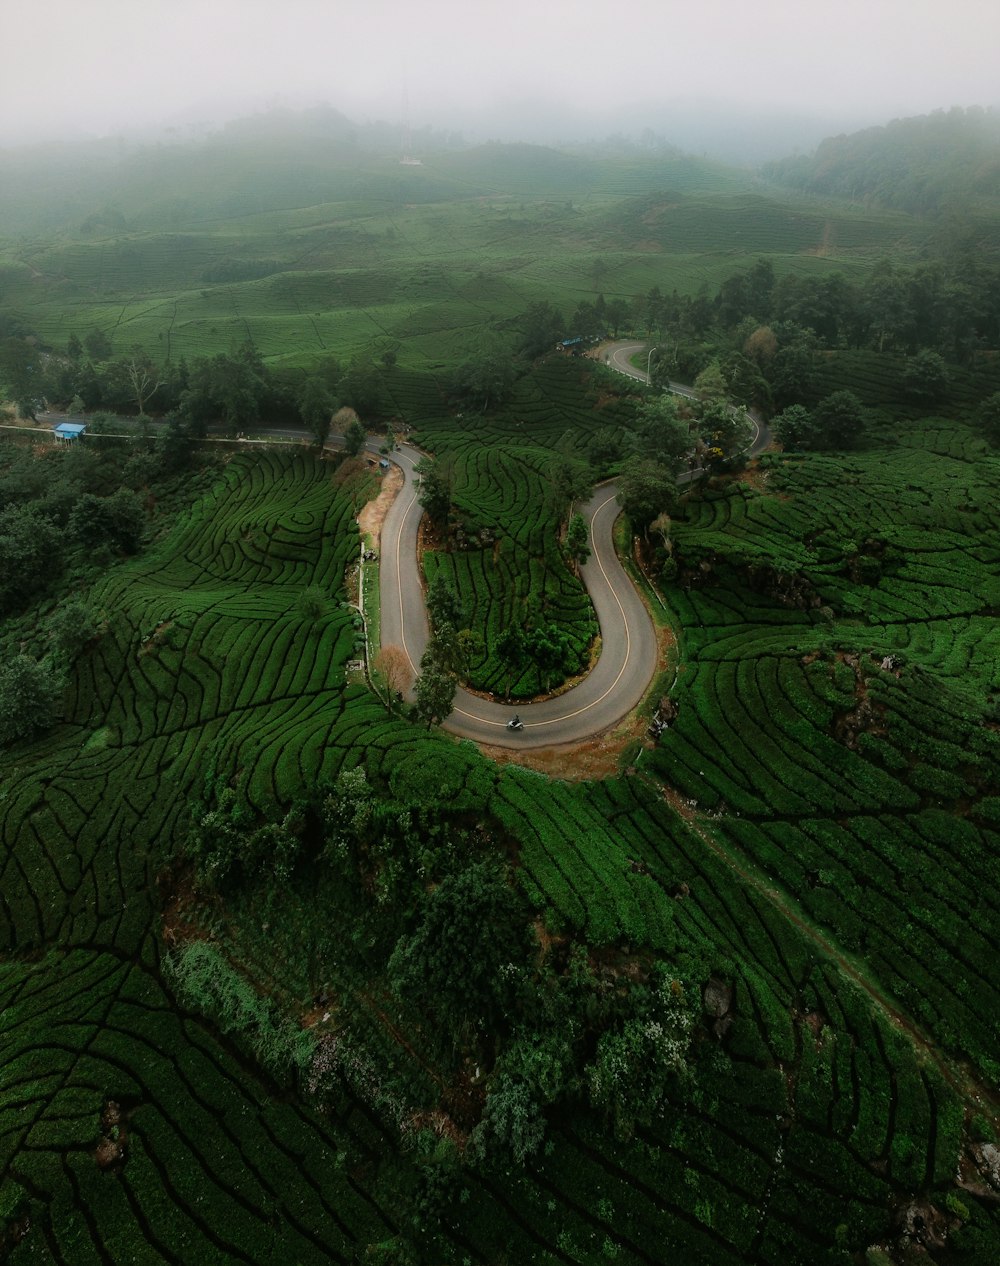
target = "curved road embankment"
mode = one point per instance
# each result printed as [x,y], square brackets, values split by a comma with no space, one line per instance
[628,657]
[611,689]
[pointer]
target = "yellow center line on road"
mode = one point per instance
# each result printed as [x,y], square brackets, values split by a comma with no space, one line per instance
[568,716]
[399,586]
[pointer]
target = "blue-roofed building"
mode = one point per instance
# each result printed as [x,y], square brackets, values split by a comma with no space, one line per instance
[68,431]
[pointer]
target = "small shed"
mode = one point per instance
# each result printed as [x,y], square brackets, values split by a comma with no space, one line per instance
[66,432]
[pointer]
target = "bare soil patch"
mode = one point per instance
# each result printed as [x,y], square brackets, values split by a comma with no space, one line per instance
[373,514]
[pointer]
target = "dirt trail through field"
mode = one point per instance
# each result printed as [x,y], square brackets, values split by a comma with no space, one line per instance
[959,1076]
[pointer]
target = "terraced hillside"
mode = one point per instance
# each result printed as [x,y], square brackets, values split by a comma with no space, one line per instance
[808,1122]
[366,255]
[837,707]
[206,665]
[507,471]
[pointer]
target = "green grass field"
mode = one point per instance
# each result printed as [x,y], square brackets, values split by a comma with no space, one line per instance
[369,261]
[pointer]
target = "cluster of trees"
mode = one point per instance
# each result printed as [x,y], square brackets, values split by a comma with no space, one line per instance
[31,689]
[67,508]
[535,642]
[235,389]
[838,421]
[443,937]
[767,334]
[668,439]
[920,164]
[446,656]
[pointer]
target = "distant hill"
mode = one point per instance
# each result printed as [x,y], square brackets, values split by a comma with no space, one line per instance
[922,165]
[282,160]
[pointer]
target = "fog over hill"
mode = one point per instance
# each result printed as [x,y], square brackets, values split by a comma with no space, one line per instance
[741,83]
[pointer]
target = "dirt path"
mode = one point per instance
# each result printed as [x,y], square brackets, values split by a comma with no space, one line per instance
[962,1079]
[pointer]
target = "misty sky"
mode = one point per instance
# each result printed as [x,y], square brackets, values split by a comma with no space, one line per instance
[485,67]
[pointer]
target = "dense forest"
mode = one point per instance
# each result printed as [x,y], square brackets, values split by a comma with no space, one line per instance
[935,163]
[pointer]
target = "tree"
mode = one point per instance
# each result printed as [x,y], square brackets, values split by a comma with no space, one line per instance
[710,386]
[316,405]
[29,696]
[435,692]
[925,378]
[988,417]
[577,542]
[512,1119]
[552,651]
[618,314]
[570,481]
[98,344]
[792,370]
[230,388]
[604,448]
[392,666]
[312,604]
[447,651]
[885,304]
[724,430]
[443,605]
[661,436]
[74,348]
[144,378]
[354,438]
[30,554]
[646,489]
[840,420]
[794,427]
[434,489]
[761,344]
[69,628]
[361,388]
[21,374]
[469,929]
[486,378]
[117,521]
[511,650]
[541,328]
[635,1065]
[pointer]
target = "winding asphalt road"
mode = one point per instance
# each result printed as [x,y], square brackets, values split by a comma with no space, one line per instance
[628,642]
[628,658]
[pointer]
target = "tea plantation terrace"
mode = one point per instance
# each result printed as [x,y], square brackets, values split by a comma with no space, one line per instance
[628,643]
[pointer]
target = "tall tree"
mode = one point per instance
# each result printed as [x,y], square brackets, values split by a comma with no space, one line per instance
[925,378]
[725,430]
[541,328]
[443,603]
[840,420]
[988,417]
[577,542]
[354,438]
[661,435]
[29,697]
[316,406]
[98,344]
[144,378]
[435,693]
[646,489]
[511,650]
[486,378]
[434,489]
[392,667]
